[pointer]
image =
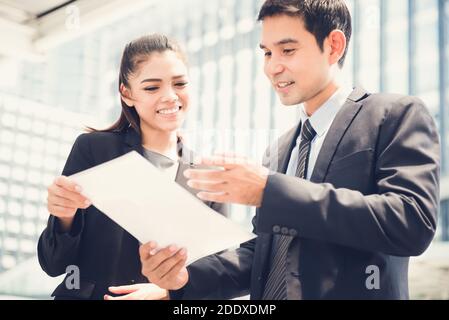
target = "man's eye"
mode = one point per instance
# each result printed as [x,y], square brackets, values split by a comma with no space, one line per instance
[151,88]
[267,54]
[289,51]
[181,84]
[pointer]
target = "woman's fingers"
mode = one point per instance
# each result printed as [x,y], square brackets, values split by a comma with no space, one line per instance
[61,212]
[57,191]
[125,289]
[67,184]
[125,297]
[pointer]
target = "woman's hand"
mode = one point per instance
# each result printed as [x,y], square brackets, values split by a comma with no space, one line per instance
[140,291]
[64,199]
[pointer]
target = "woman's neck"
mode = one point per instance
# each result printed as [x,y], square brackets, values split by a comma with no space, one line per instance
[161,142]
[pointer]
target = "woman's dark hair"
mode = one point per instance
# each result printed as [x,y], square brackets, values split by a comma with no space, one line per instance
[320,17]
[135,53]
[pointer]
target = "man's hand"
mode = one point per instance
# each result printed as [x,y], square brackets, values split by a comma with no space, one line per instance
[140,291]
[166,267]
[240,182]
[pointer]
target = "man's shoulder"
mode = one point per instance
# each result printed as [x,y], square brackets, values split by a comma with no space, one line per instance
[392,103]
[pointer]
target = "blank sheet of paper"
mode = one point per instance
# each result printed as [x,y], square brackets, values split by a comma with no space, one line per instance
[150,206]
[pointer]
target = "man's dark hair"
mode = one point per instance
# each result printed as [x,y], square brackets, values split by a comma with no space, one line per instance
[320,17]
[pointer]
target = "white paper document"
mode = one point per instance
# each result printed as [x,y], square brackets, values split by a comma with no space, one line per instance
[150,206]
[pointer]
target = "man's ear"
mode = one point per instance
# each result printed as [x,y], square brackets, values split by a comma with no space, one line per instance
[125,94]
[337,43]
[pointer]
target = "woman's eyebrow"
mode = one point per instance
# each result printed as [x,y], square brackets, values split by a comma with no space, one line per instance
[151,80]
[160,80]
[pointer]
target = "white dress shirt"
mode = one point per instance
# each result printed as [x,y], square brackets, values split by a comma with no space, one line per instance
[321,121]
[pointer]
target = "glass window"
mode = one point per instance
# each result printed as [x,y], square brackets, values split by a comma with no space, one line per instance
[24,124]
[427,69]
[30,211]
[29,228]
[396,46]
[16,191]
[14,208]
[3,188]
[369,45]
[5,171]
[9,120]
[13,226]
[20,157]
[39,127]
[27,246]
[32,194]
[7,136]
[10,244]
[18,174]
[8,261]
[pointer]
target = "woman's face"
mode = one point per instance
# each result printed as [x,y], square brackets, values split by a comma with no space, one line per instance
[159,92]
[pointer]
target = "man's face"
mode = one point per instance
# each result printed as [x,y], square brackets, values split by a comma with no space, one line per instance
[294,63]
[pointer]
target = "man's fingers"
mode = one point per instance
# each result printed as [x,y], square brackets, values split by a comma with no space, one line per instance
[225,161]
[205,175]
[175,270]
[156,259]
[168,264]
[219,197]
[145,249]
[207,186]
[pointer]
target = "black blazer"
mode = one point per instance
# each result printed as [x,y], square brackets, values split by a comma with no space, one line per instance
[105,253]
[372,201]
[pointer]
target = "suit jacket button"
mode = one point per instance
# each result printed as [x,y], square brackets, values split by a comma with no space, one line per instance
[284,231]
[276,229]
[293,232]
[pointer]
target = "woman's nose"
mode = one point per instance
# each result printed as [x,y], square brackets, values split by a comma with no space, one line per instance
[170,96]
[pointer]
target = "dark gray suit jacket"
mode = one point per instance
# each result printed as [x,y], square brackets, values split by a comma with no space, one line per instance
[105,253]
[372,201]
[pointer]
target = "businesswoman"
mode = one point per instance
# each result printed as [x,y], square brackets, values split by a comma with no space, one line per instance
[154,89]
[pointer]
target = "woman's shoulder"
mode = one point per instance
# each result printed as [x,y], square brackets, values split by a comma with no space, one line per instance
[98,138]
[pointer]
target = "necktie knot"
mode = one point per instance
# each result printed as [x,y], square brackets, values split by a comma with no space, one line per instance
[307,132]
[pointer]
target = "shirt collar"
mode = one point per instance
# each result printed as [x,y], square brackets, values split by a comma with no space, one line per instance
[322,119]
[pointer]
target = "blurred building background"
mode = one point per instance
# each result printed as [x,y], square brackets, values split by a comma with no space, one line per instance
[59,62]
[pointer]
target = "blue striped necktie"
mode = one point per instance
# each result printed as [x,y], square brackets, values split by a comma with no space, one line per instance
[276,287]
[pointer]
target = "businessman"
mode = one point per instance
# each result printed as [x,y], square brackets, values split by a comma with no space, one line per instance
[355,193]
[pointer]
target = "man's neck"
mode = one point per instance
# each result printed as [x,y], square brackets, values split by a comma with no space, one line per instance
[313,104]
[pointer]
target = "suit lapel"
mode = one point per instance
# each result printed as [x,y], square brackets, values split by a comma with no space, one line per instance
[133,142]
[336,132]
[285,148]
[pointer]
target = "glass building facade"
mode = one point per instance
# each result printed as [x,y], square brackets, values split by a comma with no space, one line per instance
[398,46]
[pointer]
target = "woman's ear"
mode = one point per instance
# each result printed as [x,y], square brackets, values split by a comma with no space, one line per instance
[125,94]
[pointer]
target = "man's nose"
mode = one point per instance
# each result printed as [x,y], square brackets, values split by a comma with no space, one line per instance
[273,68]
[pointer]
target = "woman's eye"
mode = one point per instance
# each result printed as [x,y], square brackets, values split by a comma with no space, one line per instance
[181,84]
[151,88]
[267,54]
[289,51]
